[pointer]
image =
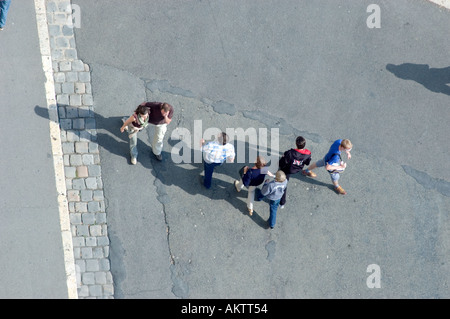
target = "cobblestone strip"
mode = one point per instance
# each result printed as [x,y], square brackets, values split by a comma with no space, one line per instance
[81,156]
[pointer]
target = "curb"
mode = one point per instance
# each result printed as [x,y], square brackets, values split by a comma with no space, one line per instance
[80,156]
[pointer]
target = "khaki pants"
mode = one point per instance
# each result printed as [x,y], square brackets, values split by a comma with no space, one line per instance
[251,194]
[158,138]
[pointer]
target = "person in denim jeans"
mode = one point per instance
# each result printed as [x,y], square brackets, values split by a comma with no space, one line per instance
[4,7]
[216,153]
[273,190]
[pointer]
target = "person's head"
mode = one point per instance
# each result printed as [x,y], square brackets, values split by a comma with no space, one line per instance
[260,162]
[346,145]
[280,176]
[165,109]
[222,138]
[142,111]
[300,142]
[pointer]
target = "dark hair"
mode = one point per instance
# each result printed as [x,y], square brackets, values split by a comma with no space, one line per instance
[165,107]
[141,109]
[223,138]
[300,142]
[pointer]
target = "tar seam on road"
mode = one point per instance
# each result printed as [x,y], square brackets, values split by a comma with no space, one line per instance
[55,138]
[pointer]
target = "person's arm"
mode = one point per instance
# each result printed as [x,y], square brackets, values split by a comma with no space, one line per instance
[330,167]
[230,155]
[126,123]
[167,120]
[349,156]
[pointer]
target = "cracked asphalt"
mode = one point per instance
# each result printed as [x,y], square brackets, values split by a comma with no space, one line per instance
[306,69]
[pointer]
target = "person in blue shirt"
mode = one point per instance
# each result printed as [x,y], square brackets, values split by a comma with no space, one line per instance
[4,7]
[333,163]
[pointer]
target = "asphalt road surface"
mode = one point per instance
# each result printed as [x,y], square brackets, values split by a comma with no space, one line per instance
[310,68]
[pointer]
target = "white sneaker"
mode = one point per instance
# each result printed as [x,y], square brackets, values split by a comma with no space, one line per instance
[238,189]
[282,206]
[133,160]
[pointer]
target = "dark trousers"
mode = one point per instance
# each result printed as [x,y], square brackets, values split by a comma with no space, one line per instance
[209,170]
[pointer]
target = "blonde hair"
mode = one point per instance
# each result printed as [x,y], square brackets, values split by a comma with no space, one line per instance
[280,176]
[346,144]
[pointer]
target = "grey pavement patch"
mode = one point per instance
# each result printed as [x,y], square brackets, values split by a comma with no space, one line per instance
[427,181]
[165,86]
[270,247]
[223,107]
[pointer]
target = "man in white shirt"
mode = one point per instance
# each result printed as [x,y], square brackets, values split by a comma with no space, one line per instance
[216,153]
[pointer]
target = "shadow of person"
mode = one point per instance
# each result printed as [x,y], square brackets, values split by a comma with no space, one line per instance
[434,79]
[185,176]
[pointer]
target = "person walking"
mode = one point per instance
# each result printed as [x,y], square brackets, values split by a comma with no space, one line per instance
[252,178]
[135,123]
[333,163]
[4,7]
[216,153]
[273,190]
[160,115]
[293,161]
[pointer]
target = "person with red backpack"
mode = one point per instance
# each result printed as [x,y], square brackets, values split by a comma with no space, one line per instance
[293,161]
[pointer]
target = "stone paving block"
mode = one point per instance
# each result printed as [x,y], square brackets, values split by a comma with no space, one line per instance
[86,253]
[72,76]
[78,183]
[77,65]
[100,277]
[81,207]
[95,290]
[92,264]
[95,230]
[88,278]
[75,218]
[88,159]
[62,99]
[94,207]
[91,183]
[68,147]
[80,88]
[92,241]
[82,171]
[82,147]
[68,88]
[94,170]
[86,195]
[72,136]
[75,160]
[73,195]
[88,218]
[75,100]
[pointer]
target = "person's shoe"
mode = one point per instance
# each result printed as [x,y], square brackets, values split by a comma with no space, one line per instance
[340,190]
[238,189]
[282,206]
[159,157]
[1,29]
[250,211]
[133,160]
[309,173]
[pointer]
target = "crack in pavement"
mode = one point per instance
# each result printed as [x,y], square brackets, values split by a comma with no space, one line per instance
[427,181]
